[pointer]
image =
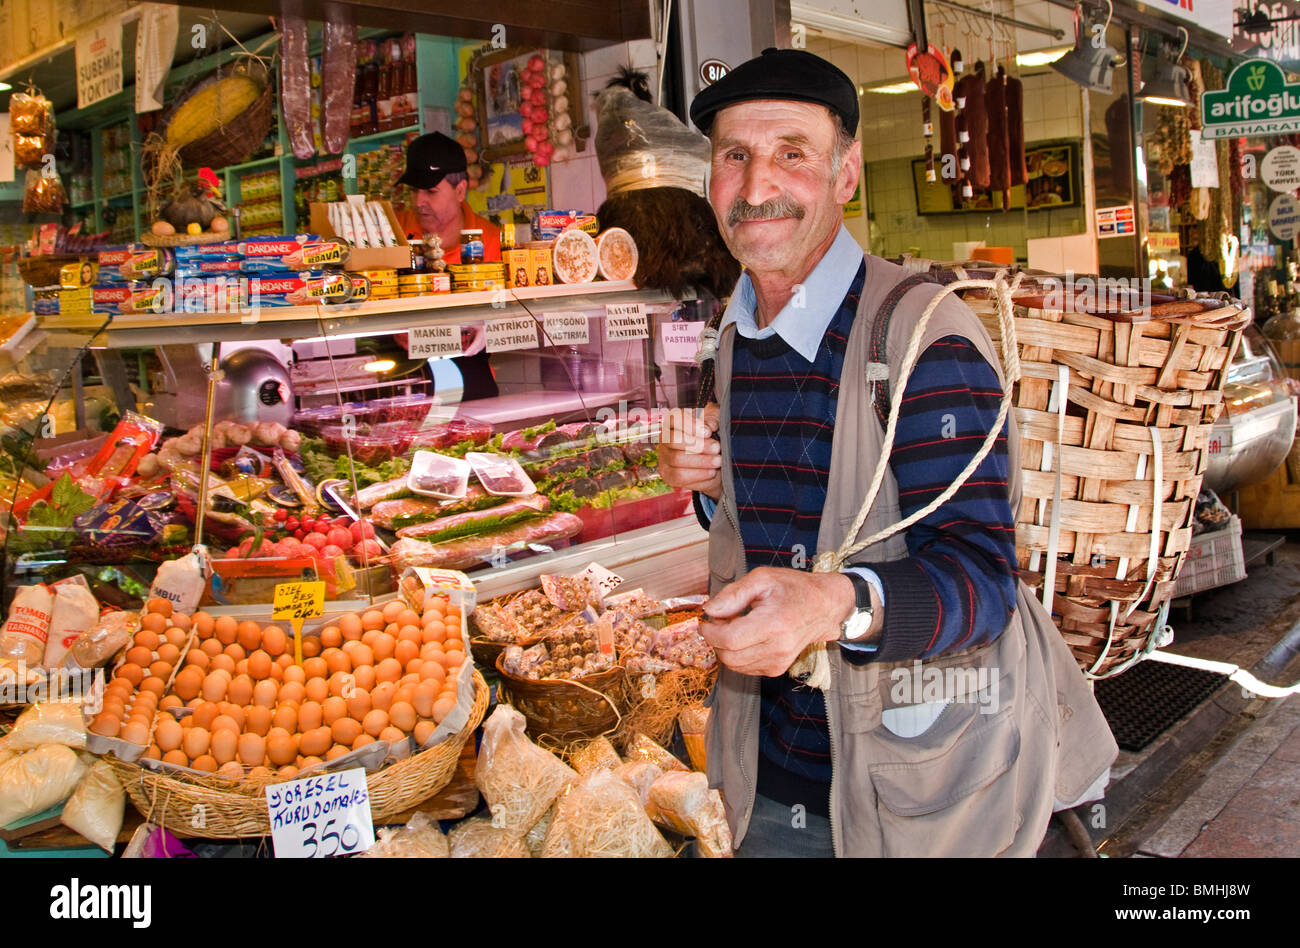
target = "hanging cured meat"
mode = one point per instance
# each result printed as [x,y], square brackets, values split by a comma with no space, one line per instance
[995,104]
[1016,131]
[295,82]
[949,164]
[971,89]
[338,81]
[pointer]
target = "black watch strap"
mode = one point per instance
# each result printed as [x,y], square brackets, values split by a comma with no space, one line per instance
[861,591]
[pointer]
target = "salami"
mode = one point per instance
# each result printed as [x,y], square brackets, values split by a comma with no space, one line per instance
[367,497]
[476,521]
[971,88]
[995,106]
[338,78]
[1016,131]
[295,85]
[949,165]
[479,550]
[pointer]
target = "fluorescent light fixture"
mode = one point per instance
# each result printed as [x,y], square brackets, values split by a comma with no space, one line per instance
[1042,57]
[379,365]
[892,87]
[5,87]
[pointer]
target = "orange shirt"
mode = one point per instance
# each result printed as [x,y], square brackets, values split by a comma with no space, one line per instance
[410,222]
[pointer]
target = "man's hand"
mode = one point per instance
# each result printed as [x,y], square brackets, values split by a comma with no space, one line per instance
[759,625]
[689,457]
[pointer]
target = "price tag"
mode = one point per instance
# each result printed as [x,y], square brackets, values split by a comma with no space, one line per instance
[503,335]
[321,816]
[567,329]
[434,342]
[625,321]
[601,579]
[296,602]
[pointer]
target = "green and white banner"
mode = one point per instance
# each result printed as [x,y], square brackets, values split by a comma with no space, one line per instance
[1257,101]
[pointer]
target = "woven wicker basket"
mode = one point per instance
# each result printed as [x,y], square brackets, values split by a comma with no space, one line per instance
[237,140]
[563,711]
[211,808]
[43,270]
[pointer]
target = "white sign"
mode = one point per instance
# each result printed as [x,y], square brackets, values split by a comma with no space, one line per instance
[1115,222]
[517,332]
[6,149]
[1284,217]
[325,815]
[681,340]
[567,329]
[1212,15]
[625,321]
[99,63]
[1205,161]
[434,342]
[155,45]
[1280,168]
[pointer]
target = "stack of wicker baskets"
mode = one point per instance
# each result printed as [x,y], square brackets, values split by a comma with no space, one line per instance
[1114,410]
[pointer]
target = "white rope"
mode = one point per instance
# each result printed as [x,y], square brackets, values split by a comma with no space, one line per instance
[1158,488]
[1234,672]
[1061,395]
[812,667]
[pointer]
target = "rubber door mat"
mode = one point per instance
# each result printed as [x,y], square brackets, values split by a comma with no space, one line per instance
[1145,701]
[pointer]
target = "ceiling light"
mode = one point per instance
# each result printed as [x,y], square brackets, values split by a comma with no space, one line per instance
[5,87]
[1042,57]
[1169,87]
[379,365]
[1090,66]
[892,88]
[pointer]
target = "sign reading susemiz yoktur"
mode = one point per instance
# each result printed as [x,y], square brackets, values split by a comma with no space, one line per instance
[1257,101]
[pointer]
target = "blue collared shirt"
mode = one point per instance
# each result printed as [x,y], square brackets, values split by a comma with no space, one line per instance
[801,324]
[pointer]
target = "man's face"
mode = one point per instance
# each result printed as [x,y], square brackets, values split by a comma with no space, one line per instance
[771,185]
[439,207]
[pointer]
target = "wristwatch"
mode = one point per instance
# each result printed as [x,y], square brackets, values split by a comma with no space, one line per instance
[858,624]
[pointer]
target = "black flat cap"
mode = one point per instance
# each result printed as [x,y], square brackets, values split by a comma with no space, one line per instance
[780,74]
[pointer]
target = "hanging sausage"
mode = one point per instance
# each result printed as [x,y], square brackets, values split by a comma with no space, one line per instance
[995,104]
[971,89]
[927,132]
[949,161]
[295,82]
[338,82]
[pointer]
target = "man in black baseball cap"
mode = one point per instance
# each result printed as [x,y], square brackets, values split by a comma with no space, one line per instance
[435,172]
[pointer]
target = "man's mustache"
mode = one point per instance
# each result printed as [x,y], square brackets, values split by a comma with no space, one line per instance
[784,206]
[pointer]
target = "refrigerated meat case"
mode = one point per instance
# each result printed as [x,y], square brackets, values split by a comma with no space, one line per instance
[156,365]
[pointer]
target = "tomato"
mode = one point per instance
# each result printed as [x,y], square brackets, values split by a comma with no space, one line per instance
[307,523]
[299,533]
[315,540]
[281,515]
[340,537]
[362,530]
[291,523]
[322,526]
[331,550]
[369,548]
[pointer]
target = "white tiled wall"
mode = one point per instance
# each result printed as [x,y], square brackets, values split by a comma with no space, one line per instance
[576,183]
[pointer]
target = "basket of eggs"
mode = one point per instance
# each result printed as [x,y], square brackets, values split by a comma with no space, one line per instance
[204,712]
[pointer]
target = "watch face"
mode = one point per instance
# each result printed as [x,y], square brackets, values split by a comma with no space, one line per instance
[856,626]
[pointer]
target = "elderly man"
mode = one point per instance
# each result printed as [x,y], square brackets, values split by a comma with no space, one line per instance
[955,717]
[435,172]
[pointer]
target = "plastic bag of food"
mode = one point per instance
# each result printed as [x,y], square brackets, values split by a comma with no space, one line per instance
[112,633]
[601,816]
[180,582]
[536,837]
[640,775]
[75,611]
[684,802]
[27,629]
[30,151]
[641,747]
[35,781]
[479,839]
[50,722]
[97,806]
[43,193]
[595,755]
[517,778]
[420,838]
[30,113]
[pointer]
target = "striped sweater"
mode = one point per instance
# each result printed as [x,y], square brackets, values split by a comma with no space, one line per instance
[956,589]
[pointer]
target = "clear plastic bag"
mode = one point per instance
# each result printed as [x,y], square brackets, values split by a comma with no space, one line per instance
[640,145]
[33,782]
[598,754]
[44,193]
[50,722]
[641,747]
[110,635]
[420,838]
[602,816]
[28,626]
[640,775]
[684,803]
[30,113]
[97,806]
[479,839]
[517,778]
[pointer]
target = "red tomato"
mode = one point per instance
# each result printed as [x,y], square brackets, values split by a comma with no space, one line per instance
[307,523]
[314,540]
[331,551]
[340,537]
[362,530]
[281,515]
[298,534]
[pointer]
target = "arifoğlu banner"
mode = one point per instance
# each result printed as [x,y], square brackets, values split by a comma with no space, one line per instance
[1257,101]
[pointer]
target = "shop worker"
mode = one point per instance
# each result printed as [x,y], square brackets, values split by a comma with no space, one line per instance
[435,172]
[956,718]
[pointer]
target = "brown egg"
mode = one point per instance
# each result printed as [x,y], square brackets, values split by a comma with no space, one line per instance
[152,753]
[154,622]
[146,639]
[106,724]
[290,718]
[350,626]
[306,763]
[159,605]
[430,651]
[196,742]
[293,673]
[223,745]
[168,653]
[402,716]
[251,749]
[205,762]
[309,715]
[241,690]
[342,684]
[241,667]
[122,686]
[224,722]
[139,655]
[275,641]
[375,721]
[277,672]
[176,636]
[176,757]
[226,629]
[406,652]
[232,771]
[265,692]
[383,647]
[287,772]
[316,689]
[286,661]
[258,720]
[381,696]
[443,707]
[397,738]
[433,671]
[161,670]
[223,662]
[249,635]
[315,668]
[423,731]
[215,685]
[259,665]
[358,704]
[180,620]
[211,647]
[345,731]
[202,623]
[293,691]
[407,617]
[364,676]
[310,646]
[155,685]
[234,712]
[388,670]
[168,702]
[371,619]
[236,652]
[362,740]
[205,714]
[281,746]
[113,702]
[333,708]
[336,660]
[330,637]
[368,637]
[412,675]
[168,733]
[197,658]
[316,741]
[405,694]
[259,772]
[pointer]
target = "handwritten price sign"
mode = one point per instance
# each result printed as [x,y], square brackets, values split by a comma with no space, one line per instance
[321,816]
[296,602]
